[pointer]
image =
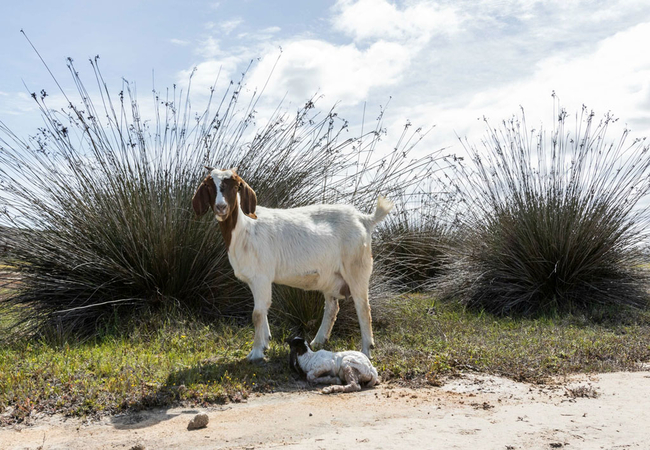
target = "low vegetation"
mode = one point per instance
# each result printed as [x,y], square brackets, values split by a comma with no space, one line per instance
[419,340]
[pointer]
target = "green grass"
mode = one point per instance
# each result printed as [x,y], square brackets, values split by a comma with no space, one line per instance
[429,338]
[418,340]
[194,363]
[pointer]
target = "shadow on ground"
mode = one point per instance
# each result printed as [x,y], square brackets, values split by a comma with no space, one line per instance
[176,391]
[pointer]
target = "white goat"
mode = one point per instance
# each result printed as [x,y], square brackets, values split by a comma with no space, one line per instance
[319,247]
[322,367]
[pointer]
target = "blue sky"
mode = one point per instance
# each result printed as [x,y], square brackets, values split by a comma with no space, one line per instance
[442,63]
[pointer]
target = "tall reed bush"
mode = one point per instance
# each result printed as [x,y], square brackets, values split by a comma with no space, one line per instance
[554,221]
[414,239]
[99,197]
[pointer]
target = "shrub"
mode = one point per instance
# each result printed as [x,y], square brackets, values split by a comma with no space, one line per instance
[100,198]
[552,222]
[412,242]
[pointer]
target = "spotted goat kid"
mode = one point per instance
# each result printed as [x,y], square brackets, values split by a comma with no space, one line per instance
[319,247]
[345,371]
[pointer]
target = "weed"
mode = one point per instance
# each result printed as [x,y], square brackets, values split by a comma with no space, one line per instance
[582,391]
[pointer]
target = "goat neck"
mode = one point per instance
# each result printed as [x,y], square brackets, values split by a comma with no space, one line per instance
[234,223]
[305,358]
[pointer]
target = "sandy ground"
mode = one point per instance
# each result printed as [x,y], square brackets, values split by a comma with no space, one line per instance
[470,412]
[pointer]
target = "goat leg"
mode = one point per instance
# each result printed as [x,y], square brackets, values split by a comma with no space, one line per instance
[351,377]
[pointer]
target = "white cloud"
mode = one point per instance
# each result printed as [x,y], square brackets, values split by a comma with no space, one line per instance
[265,34]
[270,30]
[209,48]
[378,19]
[207,73]
[452,63]
[614,77]
[386,40]
[341,73]
[18,103]
[559,11]
[229,25]
[179,42]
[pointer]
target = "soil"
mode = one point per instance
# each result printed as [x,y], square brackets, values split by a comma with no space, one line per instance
[468,412]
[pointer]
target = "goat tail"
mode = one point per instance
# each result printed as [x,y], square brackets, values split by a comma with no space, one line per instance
[383,208]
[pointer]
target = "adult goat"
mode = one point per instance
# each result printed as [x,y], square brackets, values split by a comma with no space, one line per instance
[319,247]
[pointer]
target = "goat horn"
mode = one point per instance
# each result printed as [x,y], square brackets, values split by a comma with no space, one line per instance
[209,168]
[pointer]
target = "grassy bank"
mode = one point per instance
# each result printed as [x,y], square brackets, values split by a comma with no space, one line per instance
[187,362]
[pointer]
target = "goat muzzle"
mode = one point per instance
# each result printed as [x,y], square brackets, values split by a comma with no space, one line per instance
[221,211]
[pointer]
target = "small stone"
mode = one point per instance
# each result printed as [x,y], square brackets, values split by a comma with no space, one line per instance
[138,447]
[199,421]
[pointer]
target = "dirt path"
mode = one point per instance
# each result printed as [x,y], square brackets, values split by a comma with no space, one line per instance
[470,412]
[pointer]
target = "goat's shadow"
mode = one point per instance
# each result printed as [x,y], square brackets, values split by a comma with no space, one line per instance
[146,412]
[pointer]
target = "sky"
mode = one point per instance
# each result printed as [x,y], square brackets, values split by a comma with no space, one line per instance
[442,64]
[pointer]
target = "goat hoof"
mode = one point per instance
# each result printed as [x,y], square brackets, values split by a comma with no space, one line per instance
[255,356]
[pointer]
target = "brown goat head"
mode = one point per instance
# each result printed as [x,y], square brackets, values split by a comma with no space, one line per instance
[219,192]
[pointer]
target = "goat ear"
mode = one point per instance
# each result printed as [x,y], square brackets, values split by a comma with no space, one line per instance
[248,199]
[205,196]
[294,365]
[293,361]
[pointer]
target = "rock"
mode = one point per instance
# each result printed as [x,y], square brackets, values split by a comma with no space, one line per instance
[138,447]
[199,421]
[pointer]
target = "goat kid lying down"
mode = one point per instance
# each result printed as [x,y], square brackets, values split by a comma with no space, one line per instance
[325,248]
[350,368]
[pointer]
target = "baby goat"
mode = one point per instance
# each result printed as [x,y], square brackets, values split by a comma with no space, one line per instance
[320,247]
[322,367]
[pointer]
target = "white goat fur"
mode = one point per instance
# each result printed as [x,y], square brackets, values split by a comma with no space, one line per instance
[319,247]
[349,368]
